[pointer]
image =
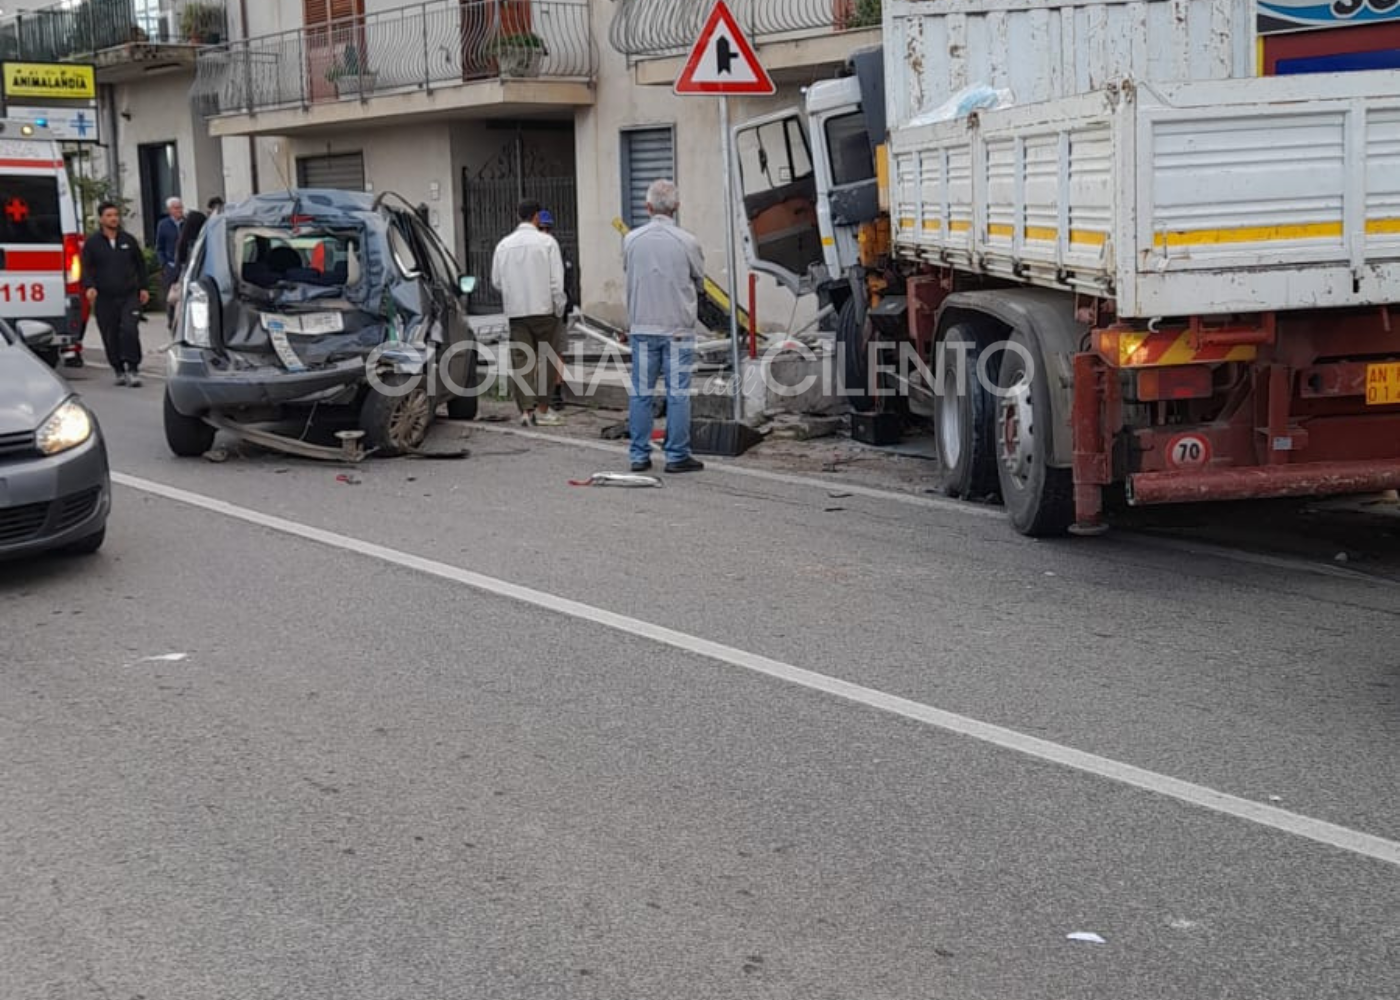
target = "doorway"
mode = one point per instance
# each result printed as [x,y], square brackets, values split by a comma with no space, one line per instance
[160,181]
[522,168]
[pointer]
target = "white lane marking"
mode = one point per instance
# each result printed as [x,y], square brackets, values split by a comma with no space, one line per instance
[1331,834]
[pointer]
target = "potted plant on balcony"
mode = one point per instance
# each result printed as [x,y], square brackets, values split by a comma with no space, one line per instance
[519,54]
[349,75]
[202,23]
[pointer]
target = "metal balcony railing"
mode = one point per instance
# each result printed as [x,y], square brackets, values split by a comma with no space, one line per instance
[650,28]
[420,47]
[69,31]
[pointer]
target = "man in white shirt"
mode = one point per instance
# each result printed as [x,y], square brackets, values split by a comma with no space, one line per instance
[528,271]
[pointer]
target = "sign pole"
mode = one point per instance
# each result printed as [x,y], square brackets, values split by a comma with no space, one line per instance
[725,170]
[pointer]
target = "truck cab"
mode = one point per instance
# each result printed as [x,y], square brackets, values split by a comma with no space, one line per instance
[808,182]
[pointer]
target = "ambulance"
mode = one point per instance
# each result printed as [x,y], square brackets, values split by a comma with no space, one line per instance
[41,241]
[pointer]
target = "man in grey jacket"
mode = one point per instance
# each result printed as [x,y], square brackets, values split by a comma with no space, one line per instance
[665,272]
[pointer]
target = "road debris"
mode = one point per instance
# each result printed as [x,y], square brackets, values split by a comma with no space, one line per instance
[1088,937]
[164,658]
[348,480]
[627,479]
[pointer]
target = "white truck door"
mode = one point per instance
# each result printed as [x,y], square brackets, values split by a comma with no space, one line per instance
[777,189]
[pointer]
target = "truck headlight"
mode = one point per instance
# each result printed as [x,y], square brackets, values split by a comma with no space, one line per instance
[69,426]
[196,316]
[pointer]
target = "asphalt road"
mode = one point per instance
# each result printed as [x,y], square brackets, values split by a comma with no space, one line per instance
[376,775]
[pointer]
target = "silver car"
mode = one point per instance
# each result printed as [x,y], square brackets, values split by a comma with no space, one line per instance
[55,488]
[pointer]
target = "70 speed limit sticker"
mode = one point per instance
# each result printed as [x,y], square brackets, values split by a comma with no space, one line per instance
[1188,451]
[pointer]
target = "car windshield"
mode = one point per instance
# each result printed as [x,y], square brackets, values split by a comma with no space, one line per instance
[322,260]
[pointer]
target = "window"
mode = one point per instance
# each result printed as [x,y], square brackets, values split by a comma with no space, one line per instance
[402,250]
[29,210]
[436,255]
[848,143]
[774,155]
[326,260]
[341,172]
[648,154]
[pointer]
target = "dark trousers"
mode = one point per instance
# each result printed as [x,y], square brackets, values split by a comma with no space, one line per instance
[119,322]
[531,368]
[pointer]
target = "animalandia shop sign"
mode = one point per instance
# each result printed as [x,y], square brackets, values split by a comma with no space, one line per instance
[49,81]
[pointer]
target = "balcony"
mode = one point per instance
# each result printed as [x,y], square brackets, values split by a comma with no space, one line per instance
[795,38]
[125,39]
[495,56]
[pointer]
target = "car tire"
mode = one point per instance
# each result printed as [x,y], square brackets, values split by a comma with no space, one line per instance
[855,384]
[89,545]
[964,422]
[49,356]
[465,407]
[187,437]
[1039,498]
[394,425]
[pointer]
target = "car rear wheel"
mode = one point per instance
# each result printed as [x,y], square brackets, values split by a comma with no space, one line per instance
[188,437]
[394,424]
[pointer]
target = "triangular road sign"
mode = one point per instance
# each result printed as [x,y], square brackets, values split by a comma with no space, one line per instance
[723,61]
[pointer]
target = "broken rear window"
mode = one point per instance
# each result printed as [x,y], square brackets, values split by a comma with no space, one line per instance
[324,260]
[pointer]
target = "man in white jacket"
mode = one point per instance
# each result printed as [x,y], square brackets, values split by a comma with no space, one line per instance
[528,271]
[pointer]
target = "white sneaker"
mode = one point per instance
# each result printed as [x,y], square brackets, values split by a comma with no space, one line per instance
[549,419]
[527,419]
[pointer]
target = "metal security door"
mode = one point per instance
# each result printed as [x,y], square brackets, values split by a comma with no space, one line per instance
[489,202]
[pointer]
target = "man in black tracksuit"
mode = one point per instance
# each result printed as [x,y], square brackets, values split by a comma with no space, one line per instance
[115,277]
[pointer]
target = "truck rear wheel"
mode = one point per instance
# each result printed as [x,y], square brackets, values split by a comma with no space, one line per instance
[1039,498]
[855,385]
[964,418]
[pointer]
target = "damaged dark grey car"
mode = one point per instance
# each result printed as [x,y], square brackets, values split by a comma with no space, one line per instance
[311,304]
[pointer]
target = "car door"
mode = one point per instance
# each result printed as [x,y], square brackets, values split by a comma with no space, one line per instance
[447,298]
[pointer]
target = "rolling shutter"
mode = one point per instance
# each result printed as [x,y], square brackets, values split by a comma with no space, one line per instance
[648,154]
[344,172]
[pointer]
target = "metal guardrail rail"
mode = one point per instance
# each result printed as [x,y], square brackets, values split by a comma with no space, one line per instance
[649,28]
[66,30]
[418,47]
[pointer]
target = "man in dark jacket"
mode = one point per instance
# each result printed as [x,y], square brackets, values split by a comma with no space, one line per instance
[167,245]
[114,277]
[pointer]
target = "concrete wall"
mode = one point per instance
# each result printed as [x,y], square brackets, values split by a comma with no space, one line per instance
[159,111]
[413,160]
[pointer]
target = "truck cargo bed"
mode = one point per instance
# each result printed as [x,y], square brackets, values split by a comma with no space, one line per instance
[1214,197]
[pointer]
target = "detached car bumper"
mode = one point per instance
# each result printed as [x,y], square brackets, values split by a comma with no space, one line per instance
[55,501]
[196,387]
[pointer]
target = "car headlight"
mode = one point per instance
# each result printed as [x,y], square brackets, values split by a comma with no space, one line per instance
[69,426]
[196,316]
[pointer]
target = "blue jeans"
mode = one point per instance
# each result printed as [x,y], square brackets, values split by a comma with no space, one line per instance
[672,358]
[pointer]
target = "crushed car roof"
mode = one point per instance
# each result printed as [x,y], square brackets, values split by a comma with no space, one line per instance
[327,206]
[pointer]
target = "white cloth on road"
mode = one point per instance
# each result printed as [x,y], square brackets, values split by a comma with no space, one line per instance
[528,270]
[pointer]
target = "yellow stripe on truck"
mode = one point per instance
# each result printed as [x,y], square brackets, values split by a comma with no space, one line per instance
[1249,234]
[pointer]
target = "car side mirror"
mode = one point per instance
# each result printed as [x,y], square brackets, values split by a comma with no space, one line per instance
[466,284]
[36,334]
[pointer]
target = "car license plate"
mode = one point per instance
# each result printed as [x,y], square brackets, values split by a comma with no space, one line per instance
[306,324]
[280,344]
[1383,384]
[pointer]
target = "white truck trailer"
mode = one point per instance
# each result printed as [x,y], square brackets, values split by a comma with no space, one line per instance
[1189,268]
